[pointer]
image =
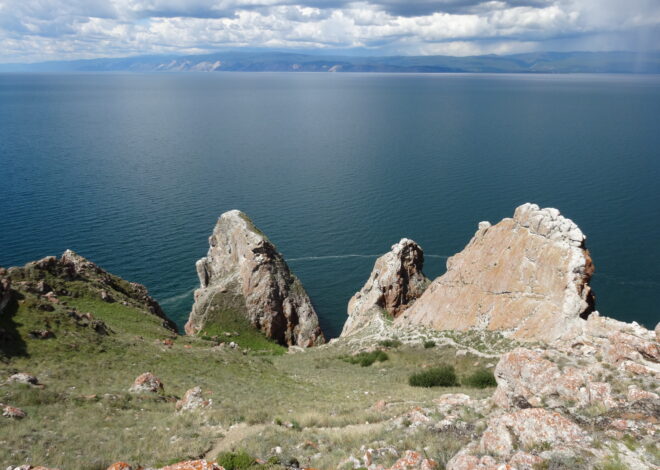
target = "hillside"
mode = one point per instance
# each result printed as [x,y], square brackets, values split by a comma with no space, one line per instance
[92,372]
[272,61]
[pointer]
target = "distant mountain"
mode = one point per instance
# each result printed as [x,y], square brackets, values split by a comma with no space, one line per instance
[242,61]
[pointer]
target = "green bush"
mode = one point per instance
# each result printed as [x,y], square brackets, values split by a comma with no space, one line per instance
[482,378]
[443,376]
[390,343]
[365,359]
[429,344]
[235,461]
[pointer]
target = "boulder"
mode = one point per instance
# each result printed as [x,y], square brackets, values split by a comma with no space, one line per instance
[527,276]
[147,383]
[396,281]
[530,429]
[23,378]
[193,399]
[244,276]
[12,412]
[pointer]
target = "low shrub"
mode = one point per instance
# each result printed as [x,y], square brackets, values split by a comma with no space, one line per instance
[443,376]
[429,344]
[235,460]
[365,359]
[481,378]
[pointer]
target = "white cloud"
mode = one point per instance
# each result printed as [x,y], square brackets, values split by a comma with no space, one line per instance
[32,30]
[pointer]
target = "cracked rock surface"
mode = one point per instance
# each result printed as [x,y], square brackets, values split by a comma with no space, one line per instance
[244,275]
[527,276]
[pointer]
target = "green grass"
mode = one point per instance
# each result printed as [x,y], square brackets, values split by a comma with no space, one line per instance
[235,460]
[443,376]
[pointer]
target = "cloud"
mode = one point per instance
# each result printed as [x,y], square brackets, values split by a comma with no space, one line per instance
[32,30]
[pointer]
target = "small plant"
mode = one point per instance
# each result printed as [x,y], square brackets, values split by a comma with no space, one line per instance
[390,343]
[365,359]
[443,376]
[481,378]
[235,461]
[429,344]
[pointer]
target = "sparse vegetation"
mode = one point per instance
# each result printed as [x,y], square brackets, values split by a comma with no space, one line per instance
[365,359]
[429,344]
[235,461]
[390,343]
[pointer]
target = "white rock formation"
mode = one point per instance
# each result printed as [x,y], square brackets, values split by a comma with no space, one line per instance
[244,276]
[526,276]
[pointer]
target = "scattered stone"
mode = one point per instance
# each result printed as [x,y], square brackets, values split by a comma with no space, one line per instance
[23,378]
[41,334]
[193,399]
[147,383]
[412,460]
[12,412]
[244,272]
[396,281]
[120,466]
[194,465]
[106,297]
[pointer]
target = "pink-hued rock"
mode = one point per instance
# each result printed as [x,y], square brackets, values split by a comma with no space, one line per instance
[529,428]
[636,394]
[194,465]
[396,281]
[527,276]
[243,274]
[412,460]
[193,399]
[147,383]
[12,412]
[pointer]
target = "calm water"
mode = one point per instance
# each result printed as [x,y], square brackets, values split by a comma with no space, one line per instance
[131,171]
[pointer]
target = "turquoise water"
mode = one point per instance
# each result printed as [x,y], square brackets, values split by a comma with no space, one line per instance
[131,171]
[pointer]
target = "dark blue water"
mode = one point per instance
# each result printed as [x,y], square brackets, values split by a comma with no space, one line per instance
[131,171]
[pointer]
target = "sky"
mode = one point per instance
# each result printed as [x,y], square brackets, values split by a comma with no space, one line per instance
[38,30]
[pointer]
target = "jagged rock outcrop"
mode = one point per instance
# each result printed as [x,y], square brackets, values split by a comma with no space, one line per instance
[244,275]
[193,399]
[73,267]
[395,282]
[527,276]
[5,289]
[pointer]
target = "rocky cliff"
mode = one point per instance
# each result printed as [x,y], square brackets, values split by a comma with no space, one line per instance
[527,276]
[244,276]
[5,289]
[395,282]
[45,281]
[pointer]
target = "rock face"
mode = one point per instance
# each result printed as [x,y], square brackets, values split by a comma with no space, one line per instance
[244,275]
[527,276]
[5,289]
[395,282]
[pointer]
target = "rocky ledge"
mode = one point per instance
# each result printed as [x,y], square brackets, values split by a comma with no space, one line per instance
[395,283]
[244,275]
[527,276]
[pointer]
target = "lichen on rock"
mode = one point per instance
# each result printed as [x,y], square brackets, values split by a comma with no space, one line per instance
[527,276]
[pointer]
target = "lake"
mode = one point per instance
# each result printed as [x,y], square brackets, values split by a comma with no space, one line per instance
[132,170]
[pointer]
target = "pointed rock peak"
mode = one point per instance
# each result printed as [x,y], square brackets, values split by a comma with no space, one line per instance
[244,278]
[527,276]
[395,282]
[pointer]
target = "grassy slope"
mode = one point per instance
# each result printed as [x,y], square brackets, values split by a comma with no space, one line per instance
[84,417]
